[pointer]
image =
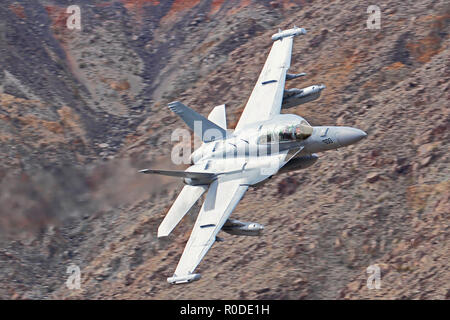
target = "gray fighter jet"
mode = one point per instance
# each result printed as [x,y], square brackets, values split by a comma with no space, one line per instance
[228,162]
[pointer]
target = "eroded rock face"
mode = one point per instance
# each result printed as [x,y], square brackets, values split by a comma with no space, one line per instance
[82,111]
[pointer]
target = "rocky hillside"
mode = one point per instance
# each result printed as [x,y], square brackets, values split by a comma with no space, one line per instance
[83,110]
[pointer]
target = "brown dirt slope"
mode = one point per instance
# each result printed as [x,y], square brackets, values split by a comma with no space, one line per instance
[82,111]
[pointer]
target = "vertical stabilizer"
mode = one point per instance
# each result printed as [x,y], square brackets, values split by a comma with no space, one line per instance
[219,116]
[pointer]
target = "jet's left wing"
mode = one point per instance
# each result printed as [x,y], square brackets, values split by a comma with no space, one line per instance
[267,95]
[221,199]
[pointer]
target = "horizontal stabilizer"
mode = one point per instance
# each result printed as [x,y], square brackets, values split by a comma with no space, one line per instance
[208,130]
[181,174]
[184,202]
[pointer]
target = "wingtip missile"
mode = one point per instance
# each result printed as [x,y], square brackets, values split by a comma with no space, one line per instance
[163,233]
[288,33]
[183,279]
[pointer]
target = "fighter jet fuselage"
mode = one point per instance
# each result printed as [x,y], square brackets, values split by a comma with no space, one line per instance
[265,140]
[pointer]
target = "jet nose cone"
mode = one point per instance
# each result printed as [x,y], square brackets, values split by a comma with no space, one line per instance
[347,136]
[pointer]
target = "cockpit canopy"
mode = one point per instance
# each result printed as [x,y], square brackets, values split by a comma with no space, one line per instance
[285,133]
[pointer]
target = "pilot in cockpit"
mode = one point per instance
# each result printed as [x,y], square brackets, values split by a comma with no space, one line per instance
[287,133]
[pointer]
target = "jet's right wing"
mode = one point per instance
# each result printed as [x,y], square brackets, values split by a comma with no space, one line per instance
[221,199]
[208,130]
